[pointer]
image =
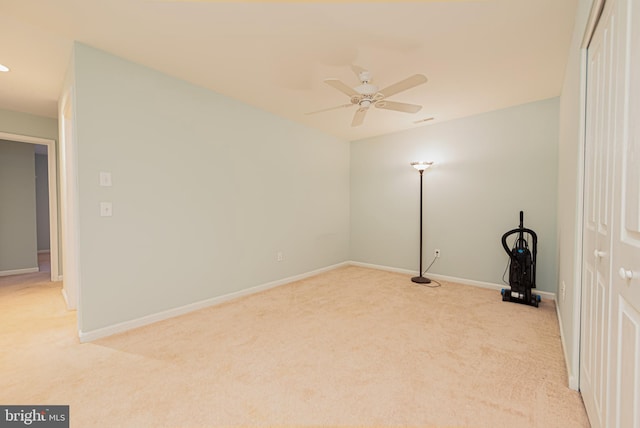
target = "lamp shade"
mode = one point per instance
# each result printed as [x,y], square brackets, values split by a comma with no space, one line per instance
[421,165]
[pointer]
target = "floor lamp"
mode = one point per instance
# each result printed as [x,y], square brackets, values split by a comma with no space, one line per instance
[421,166]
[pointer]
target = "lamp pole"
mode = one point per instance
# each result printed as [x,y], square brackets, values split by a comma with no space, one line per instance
[421,166]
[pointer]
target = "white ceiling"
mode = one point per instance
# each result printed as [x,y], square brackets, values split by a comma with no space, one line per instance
[478,55]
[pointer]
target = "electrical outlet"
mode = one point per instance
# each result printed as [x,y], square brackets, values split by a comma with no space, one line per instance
[279,256]
[563,289]
[106,209]
[436,253]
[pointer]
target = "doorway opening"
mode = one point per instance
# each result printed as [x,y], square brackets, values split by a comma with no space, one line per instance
[52,187]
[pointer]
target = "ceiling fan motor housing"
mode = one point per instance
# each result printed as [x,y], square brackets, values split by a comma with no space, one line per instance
[366,89]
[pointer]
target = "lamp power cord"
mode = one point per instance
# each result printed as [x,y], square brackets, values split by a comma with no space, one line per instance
[433,281]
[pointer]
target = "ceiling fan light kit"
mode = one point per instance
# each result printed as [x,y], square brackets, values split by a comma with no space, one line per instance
[367,94]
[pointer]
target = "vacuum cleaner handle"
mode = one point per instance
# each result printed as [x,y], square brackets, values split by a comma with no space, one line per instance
[521,230]
[504,240]
[521,219]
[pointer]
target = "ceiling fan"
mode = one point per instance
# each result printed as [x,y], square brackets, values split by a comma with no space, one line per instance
[366,94]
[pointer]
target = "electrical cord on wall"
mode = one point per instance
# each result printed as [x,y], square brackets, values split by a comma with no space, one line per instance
[505,272]
[433,280]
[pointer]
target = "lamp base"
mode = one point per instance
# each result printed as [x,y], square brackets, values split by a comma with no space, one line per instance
[421,280]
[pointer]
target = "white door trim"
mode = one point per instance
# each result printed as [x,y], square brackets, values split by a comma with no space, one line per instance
[594,16]
[574,364]
[69,190]
[53,193]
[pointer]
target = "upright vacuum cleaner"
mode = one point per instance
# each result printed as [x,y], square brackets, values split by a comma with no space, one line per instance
[522,266]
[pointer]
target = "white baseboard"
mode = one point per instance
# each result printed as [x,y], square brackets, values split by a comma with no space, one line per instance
[19,271]
[573,379]
[88,336]
[464,281]
[381,267]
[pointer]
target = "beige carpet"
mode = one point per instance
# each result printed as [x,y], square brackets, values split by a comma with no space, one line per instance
[351,347]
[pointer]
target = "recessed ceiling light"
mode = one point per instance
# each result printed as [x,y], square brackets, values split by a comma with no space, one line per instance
[4,68]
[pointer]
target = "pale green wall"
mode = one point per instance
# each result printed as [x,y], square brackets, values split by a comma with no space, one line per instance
[487,168]
[27,124]
[569,203]
[18,207]
[206,190]
[42,201]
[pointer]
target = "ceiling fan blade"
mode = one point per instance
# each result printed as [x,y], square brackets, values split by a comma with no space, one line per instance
[403,107]
[358,118]
[403,85]
[330,108]
[342,87]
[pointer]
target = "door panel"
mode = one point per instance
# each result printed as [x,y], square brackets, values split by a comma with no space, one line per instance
[628,362]
[598,213]
[625,349]
[610,330]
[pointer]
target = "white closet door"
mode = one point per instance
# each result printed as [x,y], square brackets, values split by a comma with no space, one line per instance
[625,346]
[598,211]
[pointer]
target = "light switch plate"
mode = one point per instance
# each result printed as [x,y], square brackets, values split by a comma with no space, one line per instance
[105,179]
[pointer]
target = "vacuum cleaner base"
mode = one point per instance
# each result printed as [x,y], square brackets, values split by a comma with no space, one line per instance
[511,296]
